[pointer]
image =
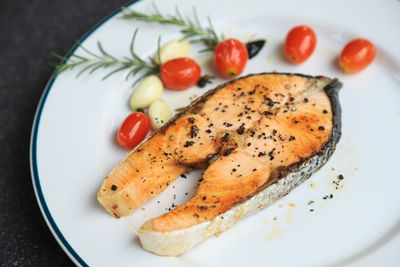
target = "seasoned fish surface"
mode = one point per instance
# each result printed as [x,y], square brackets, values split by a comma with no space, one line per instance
[259,136]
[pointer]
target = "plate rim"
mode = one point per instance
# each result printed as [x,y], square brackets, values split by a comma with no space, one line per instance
[40,198]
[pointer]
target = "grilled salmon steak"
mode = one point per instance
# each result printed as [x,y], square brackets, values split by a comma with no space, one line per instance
[259,136]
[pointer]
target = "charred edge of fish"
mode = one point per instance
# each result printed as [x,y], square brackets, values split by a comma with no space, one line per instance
[320,157]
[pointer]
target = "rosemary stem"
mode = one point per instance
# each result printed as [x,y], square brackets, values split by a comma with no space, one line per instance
[191,30]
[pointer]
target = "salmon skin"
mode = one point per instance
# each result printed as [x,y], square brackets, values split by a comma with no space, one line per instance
[259,137]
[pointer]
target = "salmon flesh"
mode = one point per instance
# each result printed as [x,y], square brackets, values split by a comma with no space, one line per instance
[259,136]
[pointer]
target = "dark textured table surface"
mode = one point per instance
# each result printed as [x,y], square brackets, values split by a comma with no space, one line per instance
[28,31]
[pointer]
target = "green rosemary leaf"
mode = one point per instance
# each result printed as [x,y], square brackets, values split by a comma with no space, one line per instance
[196,18]
[131,47]
[98,66]
[86,50]
[115,71]
[158,49]
[86,68]
[79,57]
[132,50]
[104,52]
[57,55]
[147,73]
[133,72]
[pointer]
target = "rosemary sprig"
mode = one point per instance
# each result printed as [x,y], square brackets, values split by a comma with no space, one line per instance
[192,30]
[103,59]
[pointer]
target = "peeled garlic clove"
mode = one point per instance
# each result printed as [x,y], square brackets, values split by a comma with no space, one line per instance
[147,91]
[173,49]
[159,113]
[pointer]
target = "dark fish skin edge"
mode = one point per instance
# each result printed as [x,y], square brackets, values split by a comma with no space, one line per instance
[305,167]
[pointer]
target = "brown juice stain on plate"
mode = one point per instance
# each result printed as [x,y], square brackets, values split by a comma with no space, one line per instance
[345,164]
[289,216]
[276,231]
[276,228]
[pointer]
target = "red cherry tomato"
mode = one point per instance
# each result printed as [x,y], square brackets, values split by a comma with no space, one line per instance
[133,130]
[357,55]
[230,57]
[300,44]
[180,73]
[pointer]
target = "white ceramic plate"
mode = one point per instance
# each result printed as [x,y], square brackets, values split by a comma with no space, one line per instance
[73,144]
